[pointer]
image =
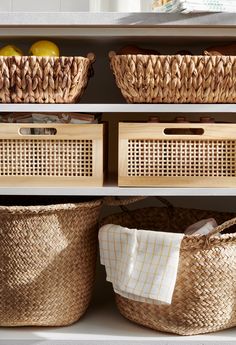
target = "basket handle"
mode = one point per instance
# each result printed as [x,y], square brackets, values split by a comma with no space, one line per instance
[91,57]
[116,201]
[111,54]
[222,227]
[46,131]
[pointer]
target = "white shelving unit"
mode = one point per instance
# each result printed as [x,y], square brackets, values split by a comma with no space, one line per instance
[102,324]
[111,189]
[121,108]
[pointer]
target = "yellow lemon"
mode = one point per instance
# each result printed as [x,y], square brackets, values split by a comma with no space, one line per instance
[10,50]
[44,48]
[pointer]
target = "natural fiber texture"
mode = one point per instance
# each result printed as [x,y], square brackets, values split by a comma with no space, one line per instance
[47,263]
[204,295]
[42,158]
[34,79]
[175,79]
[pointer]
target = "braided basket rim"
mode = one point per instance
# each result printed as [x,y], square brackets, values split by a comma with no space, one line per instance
[34,57]
[50,208]
[173,56]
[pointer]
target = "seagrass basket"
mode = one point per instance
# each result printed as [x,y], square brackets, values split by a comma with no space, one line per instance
[175,78]
[204,298]
[47,262]
[35,79]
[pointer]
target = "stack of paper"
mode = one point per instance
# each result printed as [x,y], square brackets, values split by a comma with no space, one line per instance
[191,6]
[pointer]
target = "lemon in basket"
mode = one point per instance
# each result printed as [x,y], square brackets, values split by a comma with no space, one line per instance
[10,50]
[44,48]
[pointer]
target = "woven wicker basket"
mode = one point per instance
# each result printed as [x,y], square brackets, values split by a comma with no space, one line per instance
[175,79]
[204,295]
[47,262]
[35,79]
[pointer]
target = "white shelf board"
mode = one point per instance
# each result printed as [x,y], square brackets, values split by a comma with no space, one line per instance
[117,19]
[84,24]
[120,108]
[103,325]
[113,190]
[120,33]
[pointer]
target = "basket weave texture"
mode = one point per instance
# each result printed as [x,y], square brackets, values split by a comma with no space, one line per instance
[47,263]
[175,78]
[204,296]
[34,79]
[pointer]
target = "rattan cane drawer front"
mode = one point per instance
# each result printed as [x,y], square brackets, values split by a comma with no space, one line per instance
[181,158]
[149,157]
[74,155]
[65,158]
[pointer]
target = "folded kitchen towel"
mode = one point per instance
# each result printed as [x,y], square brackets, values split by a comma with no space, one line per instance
[142,265]
[190,6]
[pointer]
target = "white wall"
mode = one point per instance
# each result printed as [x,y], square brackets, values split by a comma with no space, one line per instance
[74,5]
[115,5]
[44,5]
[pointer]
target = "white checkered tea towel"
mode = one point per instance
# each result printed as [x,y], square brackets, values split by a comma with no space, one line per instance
[142,265]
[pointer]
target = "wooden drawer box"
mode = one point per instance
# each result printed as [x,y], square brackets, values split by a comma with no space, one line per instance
[177,155]
[64,155]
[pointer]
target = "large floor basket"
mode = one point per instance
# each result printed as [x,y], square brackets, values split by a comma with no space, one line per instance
[47,262]
[204,296]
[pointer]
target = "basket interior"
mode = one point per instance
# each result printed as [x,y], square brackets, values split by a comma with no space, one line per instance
[15,200]
[166,220]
